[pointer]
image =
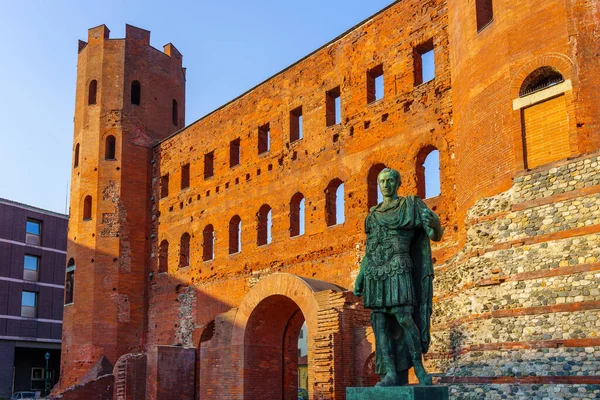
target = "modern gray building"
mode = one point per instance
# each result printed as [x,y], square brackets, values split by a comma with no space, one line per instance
[33,246]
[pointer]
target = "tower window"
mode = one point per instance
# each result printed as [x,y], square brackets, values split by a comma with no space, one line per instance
[296,124]
[334,202]
[235,235]
[184,250]
[175,113]
[428,173]
[136,92]
[373,191]
[485,13]
[265,223]
[163,256]
[234,153]
[264,139]
[164,186]
[209,164]
[92,91]
[185,176]
[424,63]
[208,243]
[87,208]
[110,148]
[70,282]
[375,88]
[297,215]
[333,107]
[76,157]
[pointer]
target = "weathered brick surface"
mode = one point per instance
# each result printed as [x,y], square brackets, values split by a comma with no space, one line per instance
[517,271]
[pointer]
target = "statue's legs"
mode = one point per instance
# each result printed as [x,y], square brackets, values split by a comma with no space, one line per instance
[410,334]
[383,343]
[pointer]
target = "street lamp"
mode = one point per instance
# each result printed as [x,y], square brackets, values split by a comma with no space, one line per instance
[46,386]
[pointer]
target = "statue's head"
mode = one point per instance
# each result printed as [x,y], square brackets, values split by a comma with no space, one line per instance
[389,181]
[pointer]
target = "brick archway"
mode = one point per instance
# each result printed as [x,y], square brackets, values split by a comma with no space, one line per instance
[266,324]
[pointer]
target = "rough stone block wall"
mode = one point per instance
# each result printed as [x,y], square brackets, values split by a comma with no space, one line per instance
[520,304]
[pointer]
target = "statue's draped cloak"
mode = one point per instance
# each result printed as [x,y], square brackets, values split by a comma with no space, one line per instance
[398,270]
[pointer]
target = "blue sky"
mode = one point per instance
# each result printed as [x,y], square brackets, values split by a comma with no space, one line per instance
[227,47]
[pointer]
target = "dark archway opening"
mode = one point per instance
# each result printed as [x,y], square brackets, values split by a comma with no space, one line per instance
[271,351]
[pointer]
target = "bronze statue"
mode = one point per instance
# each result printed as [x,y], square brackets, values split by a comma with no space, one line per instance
[395,279]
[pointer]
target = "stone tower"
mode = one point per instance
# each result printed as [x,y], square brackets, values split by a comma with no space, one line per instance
[129,96]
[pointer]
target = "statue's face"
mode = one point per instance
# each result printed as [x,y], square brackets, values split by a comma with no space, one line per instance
[388,184]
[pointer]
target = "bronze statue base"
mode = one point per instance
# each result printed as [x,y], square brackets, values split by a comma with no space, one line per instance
[411,392]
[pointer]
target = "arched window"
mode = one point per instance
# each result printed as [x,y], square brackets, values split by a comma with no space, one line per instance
[540,79]
[175,113]
[374,195]
[334,202]
[184,250]
[297,213]
[76,157]
[208,243]
[110,148]
[428,172]
[93,89]
[235,235]
[136,92]
[265,223]
[87,208]
[163,256]
[70,281]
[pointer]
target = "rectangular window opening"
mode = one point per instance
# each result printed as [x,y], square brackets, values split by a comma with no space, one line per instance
[69,286]
[164,186]
[234,153]
[375,88]
[333,107]
[485,13]
[31,268]
[29,301]
[33,232]
[185,176]
[209,164]
[296,124]
[424,63]
[264,139]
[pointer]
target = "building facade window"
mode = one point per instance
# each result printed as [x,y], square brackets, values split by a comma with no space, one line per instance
[31,268]
[296,124]
[29,303]
[234,153]
[428,173]
[76,156]
[375,84]
[485,13]
[264,139]
[70,282]
[185,176]
[208,243]
[235,235]
[265,224]
[110,148]
[334,202]
[136,93]
[424,62]
[184,251]
[540,79]
[374,195]
[87,208]
[209,165]
[163,256]
[333,107]
[92,92]
[297,215]
[33,232]
[164,186]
